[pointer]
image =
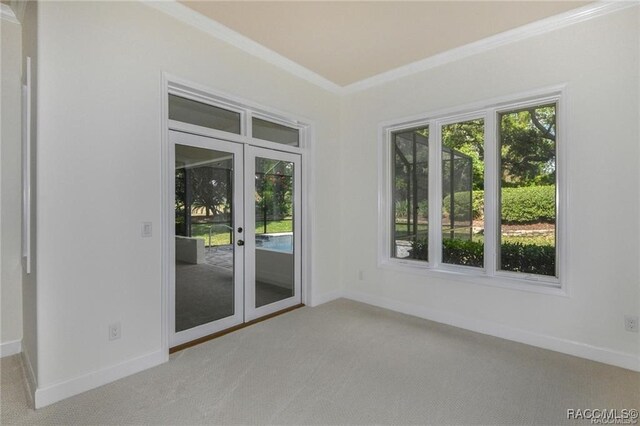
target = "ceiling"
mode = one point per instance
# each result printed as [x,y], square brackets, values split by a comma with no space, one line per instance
[347,41]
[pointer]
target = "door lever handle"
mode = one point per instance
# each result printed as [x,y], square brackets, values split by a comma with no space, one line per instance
[240,242]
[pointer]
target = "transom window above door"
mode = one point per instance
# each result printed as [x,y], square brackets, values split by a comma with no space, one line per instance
[205,115]
[263,128]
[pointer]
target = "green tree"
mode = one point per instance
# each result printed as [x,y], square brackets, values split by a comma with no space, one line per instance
[274,190]
[210,189]
[528,146]
[468,138]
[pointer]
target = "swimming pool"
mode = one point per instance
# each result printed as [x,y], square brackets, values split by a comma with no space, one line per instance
[277,242]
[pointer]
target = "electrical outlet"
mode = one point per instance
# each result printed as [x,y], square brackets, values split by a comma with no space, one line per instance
[631,323]
[360,275]
[114,331]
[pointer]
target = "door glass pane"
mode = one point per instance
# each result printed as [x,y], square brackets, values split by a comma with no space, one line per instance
[528,190]
[274,132]
[203,245]
[274,197]
[205,115]
[463,193]
[410,174]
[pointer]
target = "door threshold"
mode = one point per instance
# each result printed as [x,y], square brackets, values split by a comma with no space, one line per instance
[232,329]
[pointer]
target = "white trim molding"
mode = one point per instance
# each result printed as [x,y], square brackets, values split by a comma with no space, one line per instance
[32,382]
[49,394]
[221,32]
[321,299]
[588,12]
[10,348]
[570,347]
[7,14]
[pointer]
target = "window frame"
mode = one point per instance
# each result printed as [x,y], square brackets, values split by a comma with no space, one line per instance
[489,274]
[392,222]
[276,120]
[247,111]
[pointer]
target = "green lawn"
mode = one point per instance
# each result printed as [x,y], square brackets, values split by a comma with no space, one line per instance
[220,234]
[539,240]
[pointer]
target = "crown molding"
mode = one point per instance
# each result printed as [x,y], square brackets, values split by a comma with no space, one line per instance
[533,29]
[6,14]
[19,7]
[216,29]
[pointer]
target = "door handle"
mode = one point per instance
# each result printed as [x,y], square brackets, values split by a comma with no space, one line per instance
[240,242]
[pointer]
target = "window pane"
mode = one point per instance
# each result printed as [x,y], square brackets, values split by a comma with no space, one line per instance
[275,227]
[204,256]
[463,193]
[410,174]
[200,114]
[273,132]
[528,190]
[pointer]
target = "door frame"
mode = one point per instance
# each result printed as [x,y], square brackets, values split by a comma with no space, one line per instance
[238,200]
[171,84]
[252,312]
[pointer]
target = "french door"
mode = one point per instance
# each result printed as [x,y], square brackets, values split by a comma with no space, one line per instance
[237,251]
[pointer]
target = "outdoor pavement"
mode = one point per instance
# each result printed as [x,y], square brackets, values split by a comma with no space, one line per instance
[220,256]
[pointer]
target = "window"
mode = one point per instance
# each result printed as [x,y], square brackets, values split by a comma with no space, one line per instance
[269,131]
[463,193]
[205,115]
[476,193]
[528,190]
[411,193]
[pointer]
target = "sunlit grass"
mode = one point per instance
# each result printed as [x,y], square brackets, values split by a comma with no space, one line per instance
[546,239]
[220,234]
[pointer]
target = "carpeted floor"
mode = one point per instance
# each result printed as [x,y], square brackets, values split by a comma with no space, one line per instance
[342,363]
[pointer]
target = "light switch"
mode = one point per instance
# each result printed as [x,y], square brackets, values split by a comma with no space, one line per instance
[147,229]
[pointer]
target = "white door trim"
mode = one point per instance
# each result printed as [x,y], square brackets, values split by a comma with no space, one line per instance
[250,310]
[170,83]
[178,338]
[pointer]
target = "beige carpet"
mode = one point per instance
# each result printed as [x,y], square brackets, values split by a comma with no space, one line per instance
[342,363]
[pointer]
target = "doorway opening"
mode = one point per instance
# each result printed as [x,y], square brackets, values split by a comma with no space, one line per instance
[235,237]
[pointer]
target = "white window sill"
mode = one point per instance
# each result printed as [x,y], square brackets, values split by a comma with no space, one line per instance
[528,282]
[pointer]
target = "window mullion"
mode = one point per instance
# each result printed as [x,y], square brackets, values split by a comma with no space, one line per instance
[491,198]
[435,194]
[248,128]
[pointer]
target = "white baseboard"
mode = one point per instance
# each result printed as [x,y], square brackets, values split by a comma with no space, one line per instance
[319,299]
[570,347]
[48,395]
[10,348]
[30,376]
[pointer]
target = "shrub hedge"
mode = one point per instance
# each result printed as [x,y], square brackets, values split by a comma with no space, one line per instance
[527,204]
[461,205]
[516,257]
[528,258]
[461,252]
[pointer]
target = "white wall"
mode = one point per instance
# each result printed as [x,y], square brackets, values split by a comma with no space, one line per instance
[29,281]
[599,62]
[11,211]
[99,174]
